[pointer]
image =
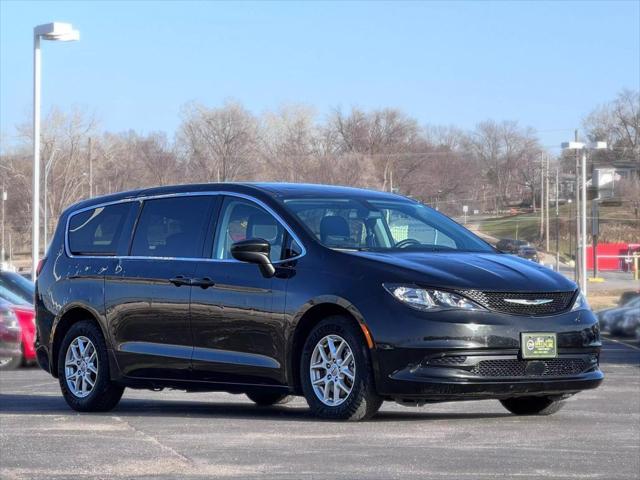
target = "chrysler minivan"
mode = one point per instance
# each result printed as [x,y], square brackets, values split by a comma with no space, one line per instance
[348,297]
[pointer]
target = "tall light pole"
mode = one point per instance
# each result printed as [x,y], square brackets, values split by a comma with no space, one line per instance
[61,32]
[581,183]
[47,168]
[4,200]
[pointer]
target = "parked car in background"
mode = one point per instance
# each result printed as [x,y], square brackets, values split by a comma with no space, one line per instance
[612,319]
[528,252]
[626,297]
[509,245]
[17,284]
[17,292]
[630,324]
[10,337]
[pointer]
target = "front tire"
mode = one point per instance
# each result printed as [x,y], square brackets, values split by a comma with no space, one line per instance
[336,373]
[532,405]
[83,370]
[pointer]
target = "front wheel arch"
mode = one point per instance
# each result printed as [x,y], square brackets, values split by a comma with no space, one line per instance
[311,317]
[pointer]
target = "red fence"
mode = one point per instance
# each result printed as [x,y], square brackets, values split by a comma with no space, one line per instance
[613,256]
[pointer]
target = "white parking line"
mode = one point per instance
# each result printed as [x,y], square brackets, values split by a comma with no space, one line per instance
[620,342]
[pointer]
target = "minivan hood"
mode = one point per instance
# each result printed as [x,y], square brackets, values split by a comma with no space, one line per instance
[478,271]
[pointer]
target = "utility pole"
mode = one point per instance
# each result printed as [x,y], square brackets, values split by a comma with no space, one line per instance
[4,200]
[583,185]
[557,220]
[541,195]
[577,200]
[90,168]
[546,228]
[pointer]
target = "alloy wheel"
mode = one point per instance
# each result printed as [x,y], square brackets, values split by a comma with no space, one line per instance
[81,366]
[332,370]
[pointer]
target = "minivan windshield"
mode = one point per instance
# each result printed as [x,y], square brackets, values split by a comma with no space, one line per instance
[382,225]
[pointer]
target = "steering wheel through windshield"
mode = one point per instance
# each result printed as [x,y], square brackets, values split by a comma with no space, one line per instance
[407,242]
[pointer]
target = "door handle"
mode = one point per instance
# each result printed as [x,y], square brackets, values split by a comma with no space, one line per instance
[203,283]
[180,280]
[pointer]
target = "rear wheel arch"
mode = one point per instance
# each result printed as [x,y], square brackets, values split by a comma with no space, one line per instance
[309,319]
[69,318]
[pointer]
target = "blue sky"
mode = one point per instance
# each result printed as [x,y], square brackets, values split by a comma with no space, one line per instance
[545,64]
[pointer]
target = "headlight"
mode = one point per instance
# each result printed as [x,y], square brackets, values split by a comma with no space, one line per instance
[580,303]
[428,299]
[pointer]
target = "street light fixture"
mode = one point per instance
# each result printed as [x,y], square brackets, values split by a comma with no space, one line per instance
[582,184]
[60,32]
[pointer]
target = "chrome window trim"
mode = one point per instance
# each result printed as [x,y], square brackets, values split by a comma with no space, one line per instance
[141,199]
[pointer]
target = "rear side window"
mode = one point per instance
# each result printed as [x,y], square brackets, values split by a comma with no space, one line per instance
[98,231]
[172,227]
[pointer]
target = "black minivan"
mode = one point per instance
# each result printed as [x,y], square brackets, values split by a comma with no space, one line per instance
[349,297]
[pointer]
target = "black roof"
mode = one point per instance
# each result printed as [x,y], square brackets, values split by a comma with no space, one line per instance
[280,190]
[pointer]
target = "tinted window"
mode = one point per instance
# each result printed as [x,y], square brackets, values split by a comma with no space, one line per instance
[241,220]
[98,231]
[172,227]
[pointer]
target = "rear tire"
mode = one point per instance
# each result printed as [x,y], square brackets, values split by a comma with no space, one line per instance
[353,372]
[532,405]
[104,394]
[266,399]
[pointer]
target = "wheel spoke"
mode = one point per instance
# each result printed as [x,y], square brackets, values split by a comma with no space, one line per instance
[332,347]
[347,358]
[320,381]
[343,387]
[326,392]
[336,392]
[347,373]
[322,353]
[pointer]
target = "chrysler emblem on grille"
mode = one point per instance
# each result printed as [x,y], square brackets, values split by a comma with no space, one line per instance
[525,301]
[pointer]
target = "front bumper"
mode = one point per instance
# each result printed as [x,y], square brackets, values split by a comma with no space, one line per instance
[482,375]
[458,355]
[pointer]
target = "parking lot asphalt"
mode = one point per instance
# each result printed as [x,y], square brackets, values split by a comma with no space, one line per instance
[173,434]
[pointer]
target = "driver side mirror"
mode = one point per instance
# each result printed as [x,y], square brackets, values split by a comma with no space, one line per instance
[255,250]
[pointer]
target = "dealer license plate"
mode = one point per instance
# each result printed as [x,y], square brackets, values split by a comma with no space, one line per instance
[538,345]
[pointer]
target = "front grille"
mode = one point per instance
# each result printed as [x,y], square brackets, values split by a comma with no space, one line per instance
[555,367]
[497,301]
[448,360]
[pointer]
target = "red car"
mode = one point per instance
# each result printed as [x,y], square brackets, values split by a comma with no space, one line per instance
[17,292]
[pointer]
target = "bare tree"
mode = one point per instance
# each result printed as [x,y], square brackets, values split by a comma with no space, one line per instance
[219,143]
[617,123]
[288,143]
[501,149]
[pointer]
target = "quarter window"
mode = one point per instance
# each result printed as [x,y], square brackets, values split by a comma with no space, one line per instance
[98,231]
[172,227]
